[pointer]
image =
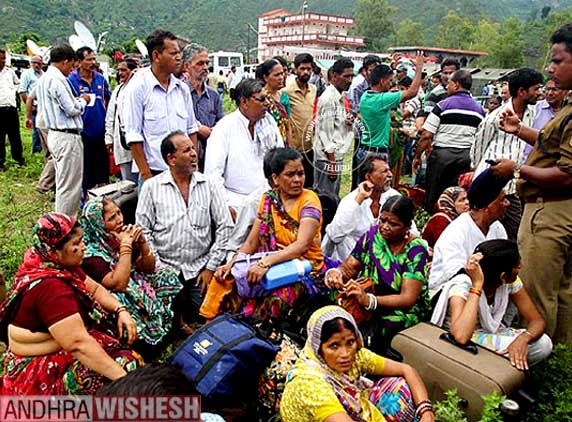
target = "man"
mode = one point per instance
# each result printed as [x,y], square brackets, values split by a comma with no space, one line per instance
[114,127]
[177,211]
[62,114]
[492,144]
[318,81]
[86,80]
[458,241]
[451,128]
[334,129]
[207,104]
[505,92]
[546,110]
[376,105]
[238,143]
[29,79]
[358,80]
[232,80]
[360,209]
[439,91]
[9,120]
[545,185]
[156,104]
[302,98]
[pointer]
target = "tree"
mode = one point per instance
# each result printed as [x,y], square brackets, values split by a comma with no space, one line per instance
[508,50]
[409,33]
[455,31]
[373,18]
[486,34]
[17,44]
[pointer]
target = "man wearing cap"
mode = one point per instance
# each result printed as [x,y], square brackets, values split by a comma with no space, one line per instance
[545,185]
[458,241]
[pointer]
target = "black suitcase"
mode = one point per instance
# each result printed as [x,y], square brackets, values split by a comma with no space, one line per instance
[124,193]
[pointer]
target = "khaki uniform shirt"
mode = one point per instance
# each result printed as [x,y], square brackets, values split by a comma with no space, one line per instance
[553,149]
[302,107]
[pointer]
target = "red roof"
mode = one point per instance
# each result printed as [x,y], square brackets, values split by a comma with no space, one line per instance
[275,12]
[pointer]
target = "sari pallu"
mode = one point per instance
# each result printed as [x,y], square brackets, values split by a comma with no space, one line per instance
[388,272]
[279,229]
[280,115]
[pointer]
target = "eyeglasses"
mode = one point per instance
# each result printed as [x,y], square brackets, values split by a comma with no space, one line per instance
[261,99]
[552,88]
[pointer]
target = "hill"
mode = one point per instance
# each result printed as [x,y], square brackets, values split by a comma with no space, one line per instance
[222,23]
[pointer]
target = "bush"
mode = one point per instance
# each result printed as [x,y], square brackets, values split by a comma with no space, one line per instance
[449,410]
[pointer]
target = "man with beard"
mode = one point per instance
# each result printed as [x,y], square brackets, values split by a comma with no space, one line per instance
[86,80]
[156,104]
[302,97]
[492,144]
[360,209]
[206,101]
[334,129]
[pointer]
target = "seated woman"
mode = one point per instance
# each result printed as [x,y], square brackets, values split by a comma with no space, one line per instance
[119,258]
[452,202]
[327,383]
[288,222]
[59,338]
[473,303]
[395,261]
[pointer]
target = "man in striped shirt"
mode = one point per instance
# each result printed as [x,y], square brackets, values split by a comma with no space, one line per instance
[451,126]
[492,143]
[178,210]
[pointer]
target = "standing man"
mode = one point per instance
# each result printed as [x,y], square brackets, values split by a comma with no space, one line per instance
[545,185]
[86,80]
[546,110]
[492,144]
[9,120]
[156,104]
[207,104]
[334,129]
[451,128]
[232,81]
[178,211]
[302,97]
[62,114]
[29,79]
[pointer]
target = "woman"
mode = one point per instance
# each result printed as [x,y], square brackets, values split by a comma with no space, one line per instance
[288,222]
[474,303]
[119,258]
[395,261]
[271,74]
[452,202]
[58,332]
[327,383]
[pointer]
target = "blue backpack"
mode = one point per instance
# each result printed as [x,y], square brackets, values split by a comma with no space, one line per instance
[225,359]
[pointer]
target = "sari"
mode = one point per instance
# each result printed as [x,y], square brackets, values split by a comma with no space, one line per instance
[148,296]
[388,272]
[278,229]
[446,212]
[57,373]
[280,113]
[314,391]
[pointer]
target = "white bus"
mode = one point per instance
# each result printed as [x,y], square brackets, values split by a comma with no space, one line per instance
[224,60]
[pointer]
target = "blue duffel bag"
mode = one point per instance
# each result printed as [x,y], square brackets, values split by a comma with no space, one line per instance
[225,359]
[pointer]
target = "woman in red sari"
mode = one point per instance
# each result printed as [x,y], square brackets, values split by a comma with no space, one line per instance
[60,340]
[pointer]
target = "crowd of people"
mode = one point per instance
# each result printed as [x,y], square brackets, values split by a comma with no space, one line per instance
[95,296]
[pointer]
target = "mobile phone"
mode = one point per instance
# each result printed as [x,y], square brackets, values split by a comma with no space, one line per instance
[491,162]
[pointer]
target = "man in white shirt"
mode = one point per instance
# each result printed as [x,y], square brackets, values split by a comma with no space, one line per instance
[177,211]
[334,129]
[28,82]
[238,143]
[156,104]
[360,209]
[9,120]
[458,241]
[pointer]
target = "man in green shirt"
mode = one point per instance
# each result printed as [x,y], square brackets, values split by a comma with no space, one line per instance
[376,105]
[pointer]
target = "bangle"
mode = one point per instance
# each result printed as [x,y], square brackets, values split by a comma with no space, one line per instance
[119,309]
[262,264]
[337,270]
[423,410]
[529,334]
[424,402]
[372,306]
[95,290]
[474,291]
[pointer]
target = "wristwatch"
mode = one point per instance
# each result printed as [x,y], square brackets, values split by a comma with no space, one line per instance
[516,171]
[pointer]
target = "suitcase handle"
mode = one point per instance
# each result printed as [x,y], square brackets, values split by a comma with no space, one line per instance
[469,347]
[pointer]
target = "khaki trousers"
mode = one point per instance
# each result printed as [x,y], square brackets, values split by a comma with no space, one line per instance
[545,243]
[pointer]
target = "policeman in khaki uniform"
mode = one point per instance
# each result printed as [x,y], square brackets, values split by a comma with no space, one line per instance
[545,185]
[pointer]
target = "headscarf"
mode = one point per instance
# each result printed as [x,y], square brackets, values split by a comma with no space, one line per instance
[40,263]
[446,202]
[97,240]
[486,187]
[347,388]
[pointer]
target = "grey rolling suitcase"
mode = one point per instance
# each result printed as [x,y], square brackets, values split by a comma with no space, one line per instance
[473,370]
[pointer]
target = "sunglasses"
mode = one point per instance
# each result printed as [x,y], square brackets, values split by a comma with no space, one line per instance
[261,99]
